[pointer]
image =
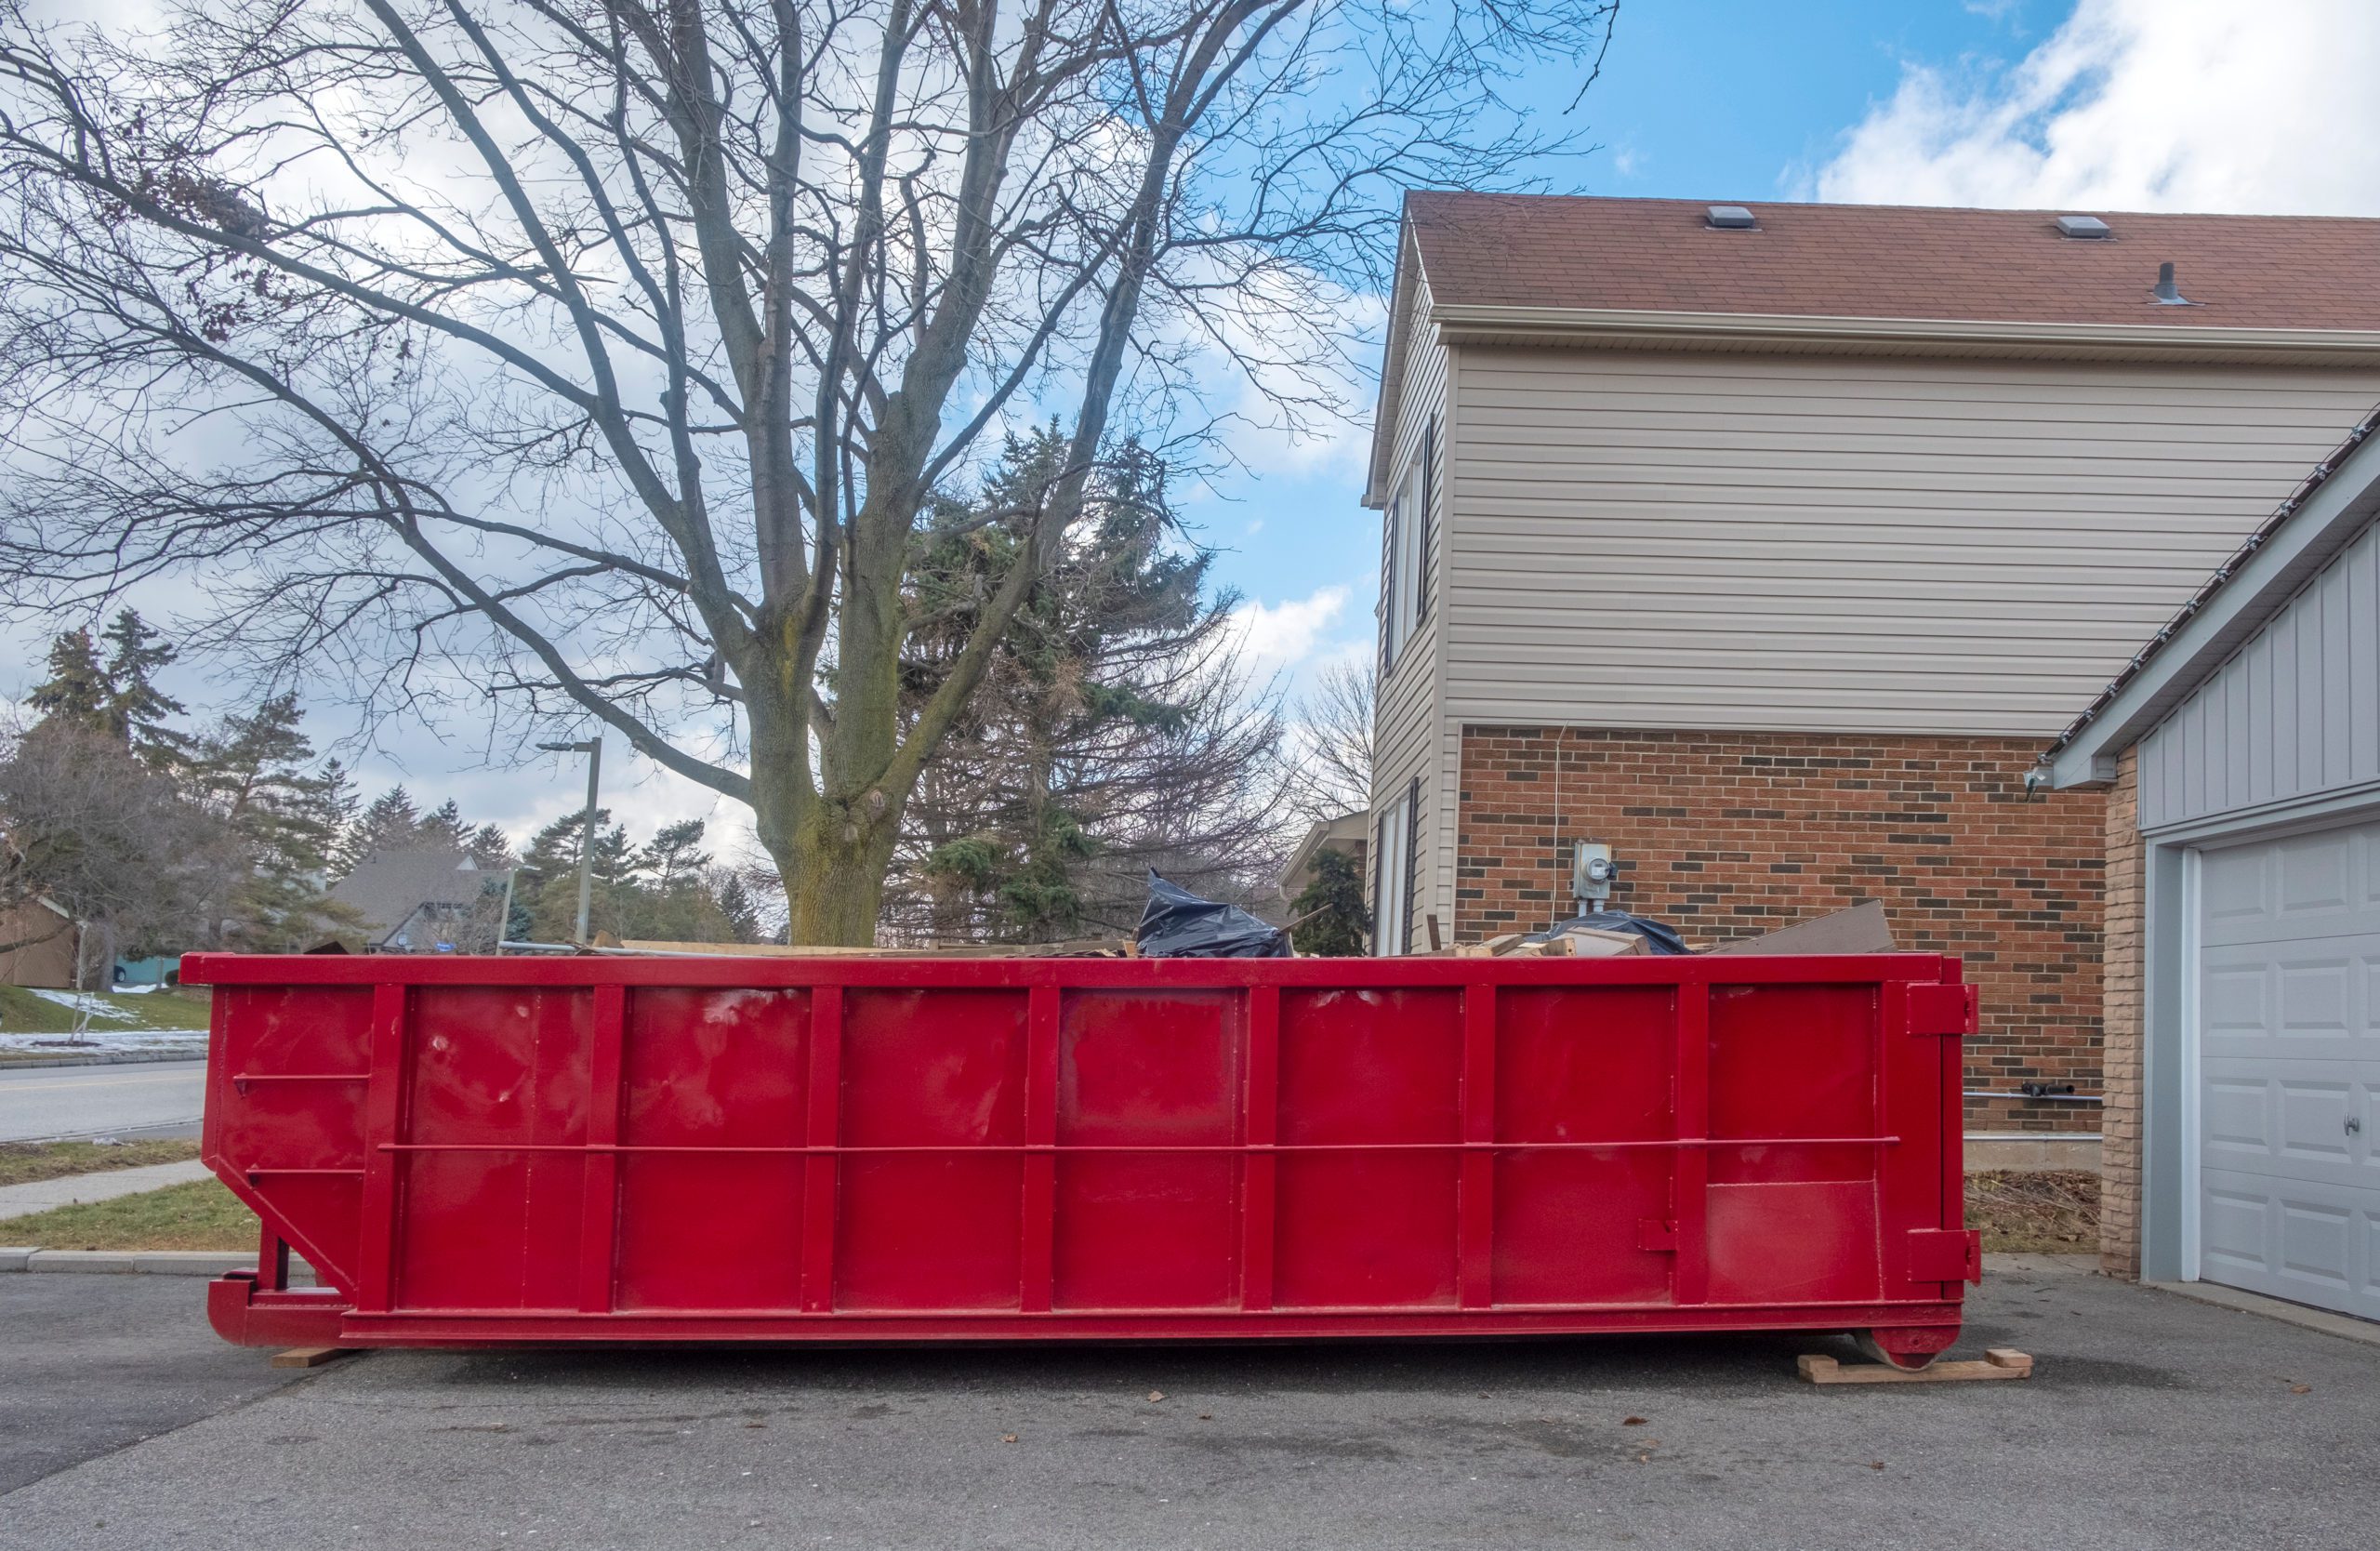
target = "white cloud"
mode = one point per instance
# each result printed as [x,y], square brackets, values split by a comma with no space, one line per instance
[2213,105]
[1284,634]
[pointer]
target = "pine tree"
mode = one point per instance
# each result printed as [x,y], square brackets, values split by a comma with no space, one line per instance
[137,709]
[1335,923]
[390,823]
[443,825]
[1114,729]
[674,857]
[255,772]
[735,904]
[76,692]
[490,847]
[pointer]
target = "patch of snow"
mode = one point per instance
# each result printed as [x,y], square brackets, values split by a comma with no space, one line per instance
[98,1007]
[98,1042]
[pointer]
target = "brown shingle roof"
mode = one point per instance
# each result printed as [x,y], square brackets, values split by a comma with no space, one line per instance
[1895,261]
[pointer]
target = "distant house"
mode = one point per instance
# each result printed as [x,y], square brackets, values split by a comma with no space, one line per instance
[1348,832]
[1767,546]
[418,901]
[45,937]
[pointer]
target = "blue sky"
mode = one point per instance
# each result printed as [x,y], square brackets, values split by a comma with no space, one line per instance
[2213,105]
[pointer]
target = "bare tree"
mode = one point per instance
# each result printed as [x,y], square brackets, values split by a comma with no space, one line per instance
[1330,749]
[600,355]
[110,842]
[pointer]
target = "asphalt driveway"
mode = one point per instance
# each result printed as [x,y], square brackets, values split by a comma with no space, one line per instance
[2153,1420]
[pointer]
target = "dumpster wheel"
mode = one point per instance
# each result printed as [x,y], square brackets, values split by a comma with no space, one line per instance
[1899,1354]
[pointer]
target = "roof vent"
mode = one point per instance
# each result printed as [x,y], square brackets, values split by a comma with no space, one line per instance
[2167,294]
[2081,226]
[1732,218]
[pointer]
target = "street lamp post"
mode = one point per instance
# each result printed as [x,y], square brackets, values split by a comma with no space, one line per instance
[593,749]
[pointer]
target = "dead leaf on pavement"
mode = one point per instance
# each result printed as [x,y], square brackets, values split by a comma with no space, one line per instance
[1632,1421]
[1008,1437]
[1155,1395]
[2301,1389]
[1875,1465]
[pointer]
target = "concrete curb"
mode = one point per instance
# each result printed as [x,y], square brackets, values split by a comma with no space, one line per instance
[145,1263]
[110,1058]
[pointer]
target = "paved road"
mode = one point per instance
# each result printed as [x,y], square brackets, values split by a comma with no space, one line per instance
[149,1098]
[2154,1420]
[90,1364]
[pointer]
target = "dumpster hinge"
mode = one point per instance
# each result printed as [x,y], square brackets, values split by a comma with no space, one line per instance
[1944,1255]
[1939,1009]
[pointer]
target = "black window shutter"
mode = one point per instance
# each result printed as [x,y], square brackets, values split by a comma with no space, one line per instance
[1380,875]
[1412,855]
[1387,579]
[1429,521]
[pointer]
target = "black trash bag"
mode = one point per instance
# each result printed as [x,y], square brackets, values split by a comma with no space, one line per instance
[1659,935]
[1178,924]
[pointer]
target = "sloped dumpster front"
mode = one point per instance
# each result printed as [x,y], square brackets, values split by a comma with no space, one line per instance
[536,1150]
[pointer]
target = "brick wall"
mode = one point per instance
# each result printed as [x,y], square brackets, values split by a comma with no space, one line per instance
[1729,834]
[2120,1020]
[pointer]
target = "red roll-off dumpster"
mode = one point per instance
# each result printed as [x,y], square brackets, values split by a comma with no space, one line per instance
[520,1150]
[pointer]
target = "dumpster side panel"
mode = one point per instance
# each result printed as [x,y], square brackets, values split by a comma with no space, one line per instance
[691,1149]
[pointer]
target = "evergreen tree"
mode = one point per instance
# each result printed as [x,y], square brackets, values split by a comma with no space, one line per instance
[443,825]
[76,692]
[137,709]
[390,823]
[255,774]
[674,858]
[490,847]
[1333,921]
[735,905]
[1113,730]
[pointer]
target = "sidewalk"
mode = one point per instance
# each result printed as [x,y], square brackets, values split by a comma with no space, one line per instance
[23,1201]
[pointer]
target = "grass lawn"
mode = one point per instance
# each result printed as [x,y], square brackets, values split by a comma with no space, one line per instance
[23,1012]
[2035,1212]
[201,1215]
[23,1163]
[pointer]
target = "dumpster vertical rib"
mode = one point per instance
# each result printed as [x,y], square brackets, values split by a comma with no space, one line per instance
[818,1173]
[1258,1169]
[1040,1135]
[599,1205]
[1475,1204]
[383,1110]
[1690,1186]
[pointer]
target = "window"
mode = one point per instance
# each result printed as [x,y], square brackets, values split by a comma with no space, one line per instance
[1404,577]
[1394,856]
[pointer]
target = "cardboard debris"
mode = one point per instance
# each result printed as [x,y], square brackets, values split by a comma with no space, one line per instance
[1861,929]
[1580,942]
[1586,942]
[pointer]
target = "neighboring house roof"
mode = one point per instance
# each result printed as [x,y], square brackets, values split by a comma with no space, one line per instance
[1347,833]
[2338,498]
[1895,261]
[386,889]
[1873,279]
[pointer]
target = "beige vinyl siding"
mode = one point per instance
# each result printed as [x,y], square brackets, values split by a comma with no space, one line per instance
[1405,716]
[1842,544]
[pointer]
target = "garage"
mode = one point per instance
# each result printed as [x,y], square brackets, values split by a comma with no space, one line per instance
[2240,989]
[2287,978]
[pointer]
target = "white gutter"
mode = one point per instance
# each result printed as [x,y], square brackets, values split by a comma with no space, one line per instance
[1614,327]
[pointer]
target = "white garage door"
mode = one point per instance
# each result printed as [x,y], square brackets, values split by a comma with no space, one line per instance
[2289,1062]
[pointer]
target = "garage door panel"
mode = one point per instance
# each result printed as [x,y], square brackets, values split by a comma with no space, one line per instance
[2287,986]
[2289,1002]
